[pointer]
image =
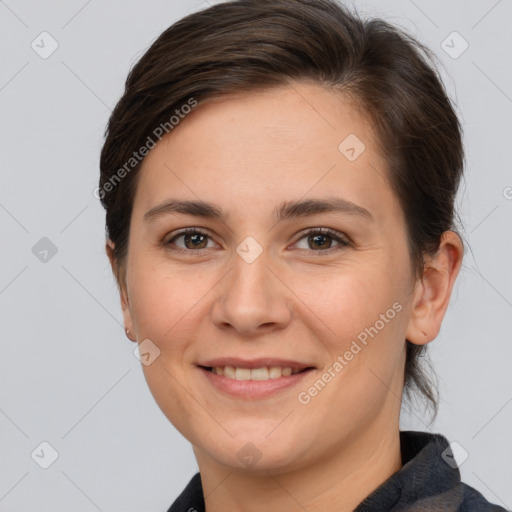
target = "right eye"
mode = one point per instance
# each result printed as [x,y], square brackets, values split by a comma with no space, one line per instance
[193,240]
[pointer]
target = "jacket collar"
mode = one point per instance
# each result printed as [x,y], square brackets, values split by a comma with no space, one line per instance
[429,475]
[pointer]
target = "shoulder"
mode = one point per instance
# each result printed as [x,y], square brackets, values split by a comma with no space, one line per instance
[474,501]
[429,480]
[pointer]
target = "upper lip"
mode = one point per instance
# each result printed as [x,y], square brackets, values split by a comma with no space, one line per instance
[260,362]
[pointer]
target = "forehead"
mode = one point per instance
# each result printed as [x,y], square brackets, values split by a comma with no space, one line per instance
[264,146]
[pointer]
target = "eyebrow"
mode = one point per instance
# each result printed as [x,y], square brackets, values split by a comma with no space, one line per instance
[286,210]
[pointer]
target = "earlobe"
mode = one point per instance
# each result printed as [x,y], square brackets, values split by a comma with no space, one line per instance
[432,294]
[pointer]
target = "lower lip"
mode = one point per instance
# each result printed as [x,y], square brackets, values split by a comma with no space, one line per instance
[253,388]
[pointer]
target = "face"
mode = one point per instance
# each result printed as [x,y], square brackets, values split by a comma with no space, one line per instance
[258,282]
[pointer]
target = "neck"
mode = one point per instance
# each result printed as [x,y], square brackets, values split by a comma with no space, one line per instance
[340,481]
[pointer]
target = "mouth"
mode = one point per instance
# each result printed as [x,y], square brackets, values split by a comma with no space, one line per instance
[256,379]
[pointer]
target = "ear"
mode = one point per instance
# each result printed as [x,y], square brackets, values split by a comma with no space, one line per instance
[432,293]
[121,285]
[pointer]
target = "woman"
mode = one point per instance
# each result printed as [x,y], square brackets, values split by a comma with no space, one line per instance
[279,181]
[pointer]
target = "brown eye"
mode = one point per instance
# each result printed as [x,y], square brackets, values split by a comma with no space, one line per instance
[320,240]
[193,239]
[196,241]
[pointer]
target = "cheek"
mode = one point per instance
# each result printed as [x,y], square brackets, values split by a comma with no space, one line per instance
[163,298]
[346,300]
[360,317]
[163,306]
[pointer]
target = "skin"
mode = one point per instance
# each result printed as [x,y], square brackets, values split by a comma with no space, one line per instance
[247,154]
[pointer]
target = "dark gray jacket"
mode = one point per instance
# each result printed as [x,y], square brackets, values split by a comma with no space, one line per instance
[429,481]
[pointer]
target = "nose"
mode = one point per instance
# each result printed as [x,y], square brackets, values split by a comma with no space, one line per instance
[252,299]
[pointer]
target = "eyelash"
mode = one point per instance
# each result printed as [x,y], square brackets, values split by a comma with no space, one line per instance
[343,241]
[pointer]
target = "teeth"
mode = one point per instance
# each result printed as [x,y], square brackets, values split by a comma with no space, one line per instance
[274,372]
[265,373]
[229,371]
[242,374]
[259,374]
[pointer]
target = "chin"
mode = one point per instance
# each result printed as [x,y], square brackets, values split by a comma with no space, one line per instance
[255,452]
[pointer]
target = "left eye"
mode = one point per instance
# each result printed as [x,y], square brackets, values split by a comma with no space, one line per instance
[319,238]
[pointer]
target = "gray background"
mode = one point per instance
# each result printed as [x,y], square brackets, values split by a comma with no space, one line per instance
[68,375]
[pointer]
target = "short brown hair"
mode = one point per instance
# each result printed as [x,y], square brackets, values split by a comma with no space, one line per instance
[246,45]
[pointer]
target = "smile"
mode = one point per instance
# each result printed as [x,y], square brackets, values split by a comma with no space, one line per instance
[253,383]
